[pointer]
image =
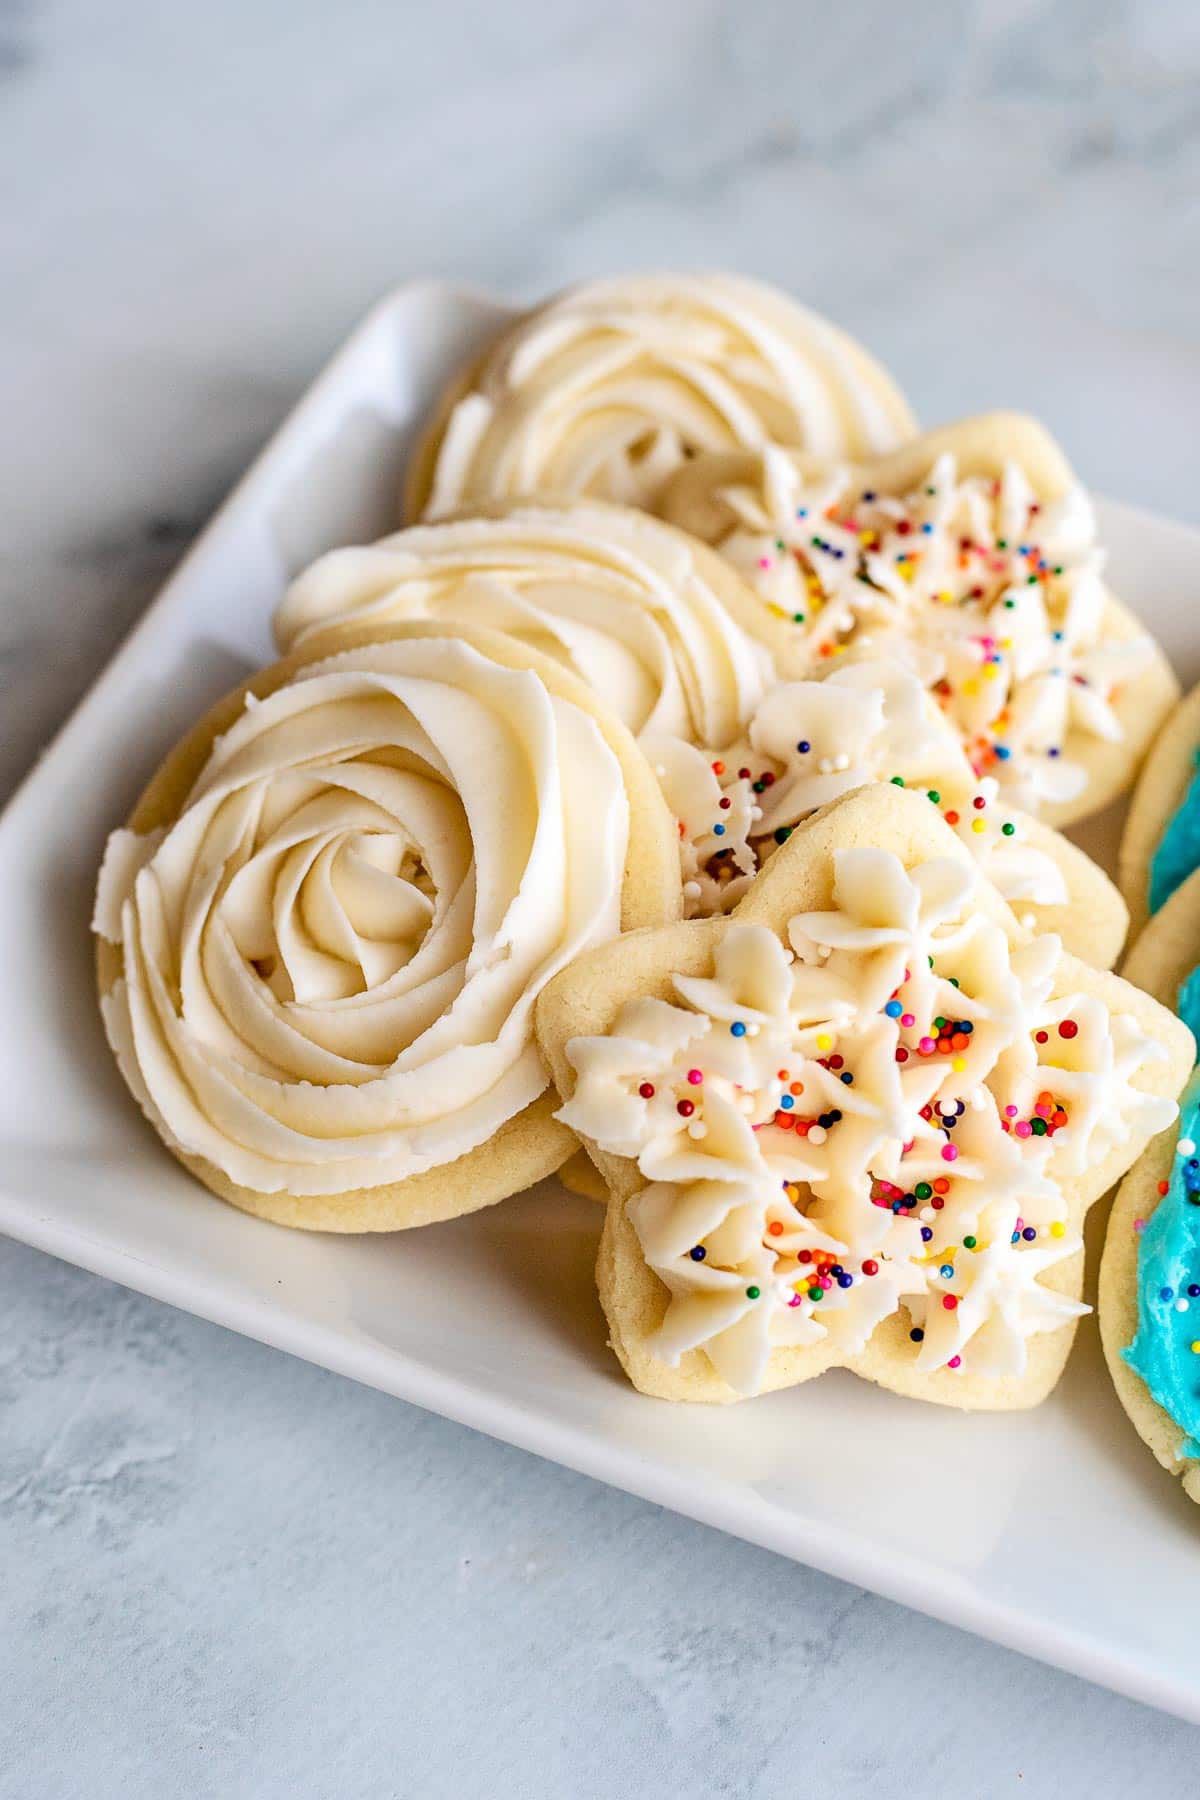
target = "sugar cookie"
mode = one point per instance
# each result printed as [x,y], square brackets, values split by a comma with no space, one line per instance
[1150,1271]
[972,551]
[323,930]
[857,1123]
[1160,846]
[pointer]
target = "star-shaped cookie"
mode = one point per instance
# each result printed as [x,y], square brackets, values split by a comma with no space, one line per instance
[974,550]
[858,1122]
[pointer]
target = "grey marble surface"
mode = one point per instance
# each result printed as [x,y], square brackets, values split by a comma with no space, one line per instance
[225,1573]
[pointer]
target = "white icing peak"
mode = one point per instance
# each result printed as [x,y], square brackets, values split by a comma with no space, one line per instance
[876,1116]
[866,720]
[608,389]
[996,600]
[331,957]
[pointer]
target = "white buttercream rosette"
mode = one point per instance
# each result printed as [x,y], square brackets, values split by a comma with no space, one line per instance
[655,624]
[607,390]
[330,955]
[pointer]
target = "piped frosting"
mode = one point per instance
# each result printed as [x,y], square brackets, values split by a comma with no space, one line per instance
[876,1115]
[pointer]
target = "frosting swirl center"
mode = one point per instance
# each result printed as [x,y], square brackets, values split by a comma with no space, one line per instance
[331,955]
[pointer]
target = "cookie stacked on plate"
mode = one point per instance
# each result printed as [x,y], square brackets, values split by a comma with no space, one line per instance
[684,783]
[1149,1299]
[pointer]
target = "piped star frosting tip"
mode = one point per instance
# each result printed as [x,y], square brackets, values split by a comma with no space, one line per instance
[857,1123]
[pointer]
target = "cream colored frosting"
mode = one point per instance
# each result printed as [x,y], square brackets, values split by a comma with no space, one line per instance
[331,957]
[995,598]
[624,604]
[608,389]
[613,596]
[867,720]
[616,598]
[786,1205]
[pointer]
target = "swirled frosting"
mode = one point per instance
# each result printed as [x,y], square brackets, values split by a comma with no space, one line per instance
[608,389]
[995,598]
[331,956]
[615,597]
[876,1115]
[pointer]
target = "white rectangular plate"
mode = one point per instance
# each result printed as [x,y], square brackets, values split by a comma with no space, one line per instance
[1053,1532]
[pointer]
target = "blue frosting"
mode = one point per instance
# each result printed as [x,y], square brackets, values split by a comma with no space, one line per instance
[1168,1272]
[1178,853]
[1168,1263]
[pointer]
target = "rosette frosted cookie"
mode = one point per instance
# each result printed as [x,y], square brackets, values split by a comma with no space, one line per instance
[973,552]
[323,931]
[1160,846]
[859,1123]
[608,388]
[656,624]
[1150,1271]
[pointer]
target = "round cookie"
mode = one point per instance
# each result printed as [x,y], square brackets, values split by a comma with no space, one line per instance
[321,934]
[1146,877]
[608,388]
[1161,961]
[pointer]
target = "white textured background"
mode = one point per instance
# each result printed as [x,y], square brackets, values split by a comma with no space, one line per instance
[223,1573]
